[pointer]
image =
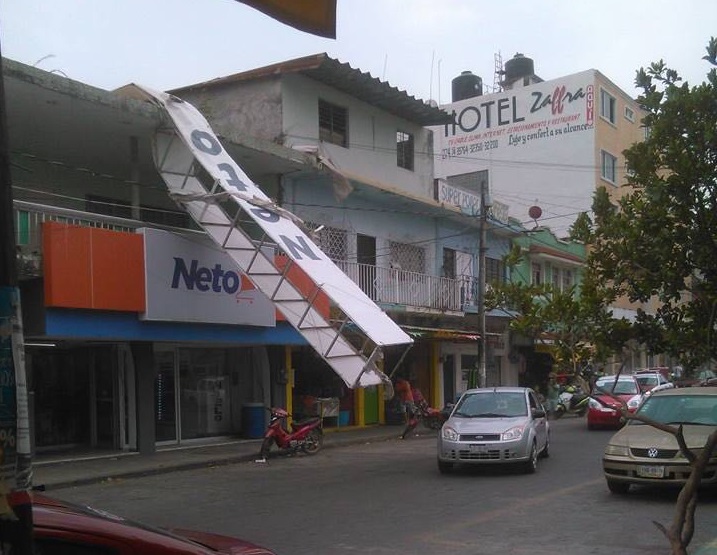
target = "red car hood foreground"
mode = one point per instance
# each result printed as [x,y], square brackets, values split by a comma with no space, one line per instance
[62,521]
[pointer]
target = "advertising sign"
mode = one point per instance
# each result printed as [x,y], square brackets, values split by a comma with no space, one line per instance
[189,279]
[537,143]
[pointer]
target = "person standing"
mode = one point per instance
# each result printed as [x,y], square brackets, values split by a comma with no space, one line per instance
[405,396]
[553,393]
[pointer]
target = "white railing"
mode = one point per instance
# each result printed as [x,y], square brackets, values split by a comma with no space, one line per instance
[412,289]
[386,286]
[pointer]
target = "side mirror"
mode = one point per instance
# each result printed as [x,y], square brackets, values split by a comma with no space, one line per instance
[538,413]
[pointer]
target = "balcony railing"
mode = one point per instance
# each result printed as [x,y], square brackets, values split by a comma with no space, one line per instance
[411,291]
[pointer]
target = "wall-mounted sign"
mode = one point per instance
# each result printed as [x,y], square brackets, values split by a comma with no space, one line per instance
[189,279]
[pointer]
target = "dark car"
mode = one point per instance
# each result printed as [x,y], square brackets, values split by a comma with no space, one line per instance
[62,528]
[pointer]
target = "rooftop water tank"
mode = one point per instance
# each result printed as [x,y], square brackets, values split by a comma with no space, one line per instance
[517,67]
[466,85]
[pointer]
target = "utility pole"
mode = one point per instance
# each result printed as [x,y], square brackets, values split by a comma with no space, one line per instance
[482,248]
[15,455]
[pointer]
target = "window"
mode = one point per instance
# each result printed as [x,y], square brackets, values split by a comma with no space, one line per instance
[407,257]
[629,114]
[608,167]
[332,240]
[404,150]
[555,275]
[333,124]
[567,279]
[535,273]
[607,106]
[494,270]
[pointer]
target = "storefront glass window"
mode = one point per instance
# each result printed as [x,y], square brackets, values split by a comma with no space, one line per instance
[205,398]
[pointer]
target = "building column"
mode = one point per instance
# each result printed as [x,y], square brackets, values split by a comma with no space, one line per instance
[144,374]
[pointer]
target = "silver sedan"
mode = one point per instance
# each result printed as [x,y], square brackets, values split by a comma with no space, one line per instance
[498,425]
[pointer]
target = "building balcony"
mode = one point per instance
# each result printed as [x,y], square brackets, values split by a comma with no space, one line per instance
[390,288]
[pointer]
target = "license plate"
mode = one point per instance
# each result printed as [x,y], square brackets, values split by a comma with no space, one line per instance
[478,448]
[651,471]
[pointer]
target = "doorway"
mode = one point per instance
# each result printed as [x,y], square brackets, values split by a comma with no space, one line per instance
[366,257]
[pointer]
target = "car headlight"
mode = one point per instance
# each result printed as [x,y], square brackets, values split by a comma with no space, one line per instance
[512,434]
[449,433]
[593,404]
[634,402]
[617,450]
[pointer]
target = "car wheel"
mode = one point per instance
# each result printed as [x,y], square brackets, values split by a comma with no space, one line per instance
[545,453]
[445,467]
[618,487]
[531,465]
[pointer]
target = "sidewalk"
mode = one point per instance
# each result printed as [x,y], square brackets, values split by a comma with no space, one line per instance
[62,473]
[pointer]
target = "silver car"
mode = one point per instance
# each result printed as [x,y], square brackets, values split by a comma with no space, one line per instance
[498,425]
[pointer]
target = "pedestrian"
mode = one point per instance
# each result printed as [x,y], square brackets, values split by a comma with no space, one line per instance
[405,396]
[553,393]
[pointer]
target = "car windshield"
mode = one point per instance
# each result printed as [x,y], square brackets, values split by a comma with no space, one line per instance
[647,380]
[622,387]
[492,404]
[682,409]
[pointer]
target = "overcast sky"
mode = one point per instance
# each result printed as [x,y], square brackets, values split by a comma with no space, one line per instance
[416,45]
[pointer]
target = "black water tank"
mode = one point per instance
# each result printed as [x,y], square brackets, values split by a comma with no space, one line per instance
[466,85]
[518,67]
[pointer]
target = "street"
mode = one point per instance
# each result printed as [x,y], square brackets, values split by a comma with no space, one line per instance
[388,498]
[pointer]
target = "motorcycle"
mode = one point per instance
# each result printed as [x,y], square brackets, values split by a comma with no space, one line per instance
[306,435]
[431,418]
[571,401]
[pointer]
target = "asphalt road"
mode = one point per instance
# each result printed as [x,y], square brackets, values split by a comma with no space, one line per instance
[387,498]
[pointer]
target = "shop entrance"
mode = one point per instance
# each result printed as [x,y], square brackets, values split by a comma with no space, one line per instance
[78,397]
[193,394]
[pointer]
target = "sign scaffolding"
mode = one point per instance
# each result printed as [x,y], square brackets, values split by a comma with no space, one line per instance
[204,180]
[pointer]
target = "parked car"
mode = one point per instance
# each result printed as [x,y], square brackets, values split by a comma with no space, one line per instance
[62,528]
[642,454]
[699,378]
[605,411]
[498,425]
[647,379]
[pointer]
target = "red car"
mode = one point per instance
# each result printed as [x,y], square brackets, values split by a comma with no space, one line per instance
[603,410]
[61,527]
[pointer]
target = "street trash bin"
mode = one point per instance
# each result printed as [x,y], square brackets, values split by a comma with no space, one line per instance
[253,420]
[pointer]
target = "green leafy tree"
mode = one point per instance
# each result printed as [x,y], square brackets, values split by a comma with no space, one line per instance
[659,240]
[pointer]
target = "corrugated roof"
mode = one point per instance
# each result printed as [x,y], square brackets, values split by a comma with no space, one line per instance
[342,77]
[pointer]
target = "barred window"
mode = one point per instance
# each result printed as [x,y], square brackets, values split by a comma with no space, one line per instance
[494,270]
[333,124]
[332,240]
[408,257]
[404,150]
[568,281]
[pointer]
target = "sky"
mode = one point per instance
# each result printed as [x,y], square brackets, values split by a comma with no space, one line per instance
[418,46]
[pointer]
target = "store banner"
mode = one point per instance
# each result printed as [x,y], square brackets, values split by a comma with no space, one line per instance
[189,279]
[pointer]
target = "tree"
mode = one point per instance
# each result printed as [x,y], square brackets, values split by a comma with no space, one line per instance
[571,318]
[658,241]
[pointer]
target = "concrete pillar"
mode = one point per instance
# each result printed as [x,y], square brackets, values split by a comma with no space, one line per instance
[145,374]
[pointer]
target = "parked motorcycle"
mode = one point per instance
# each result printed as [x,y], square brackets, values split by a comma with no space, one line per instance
[572,401]
[431,418]
[305,435]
